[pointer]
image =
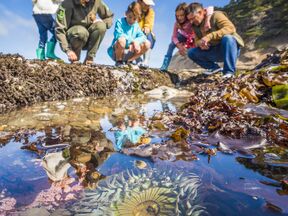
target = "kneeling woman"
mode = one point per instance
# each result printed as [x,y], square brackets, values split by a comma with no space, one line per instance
[129,41]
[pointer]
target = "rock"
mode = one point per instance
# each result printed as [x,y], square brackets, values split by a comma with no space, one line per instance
[83,157]
[49,82]
[56,166]
[35,212]
[181,64]
[166,93]
[140,164]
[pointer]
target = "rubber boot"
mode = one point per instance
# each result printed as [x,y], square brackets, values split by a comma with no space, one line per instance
[165,65]
[40,53]
[50,50]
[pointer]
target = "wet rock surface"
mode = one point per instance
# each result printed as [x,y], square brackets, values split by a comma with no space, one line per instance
[25,82]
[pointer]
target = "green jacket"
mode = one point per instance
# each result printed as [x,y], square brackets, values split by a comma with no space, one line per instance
[220,26]
[71,13]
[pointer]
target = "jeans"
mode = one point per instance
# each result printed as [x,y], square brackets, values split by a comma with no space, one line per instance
[151,39]
[45,23]
[172,45]
[226,51]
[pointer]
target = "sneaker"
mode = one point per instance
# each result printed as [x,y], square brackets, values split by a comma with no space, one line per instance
[143,66]
[212,71]
[119,63]
[133,65]
[228,75]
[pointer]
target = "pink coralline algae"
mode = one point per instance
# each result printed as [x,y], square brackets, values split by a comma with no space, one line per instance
[7,204]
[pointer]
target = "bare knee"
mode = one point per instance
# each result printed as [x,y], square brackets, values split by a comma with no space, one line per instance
[121,43]
[146,45]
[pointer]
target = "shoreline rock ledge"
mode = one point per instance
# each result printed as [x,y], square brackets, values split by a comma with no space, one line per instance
[25,82]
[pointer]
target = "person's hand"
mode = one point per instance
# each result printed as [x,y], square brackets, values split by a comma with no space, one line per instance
[146,30]
[72,56]
[136,47]
[182,49]
[97,20]
[207,25]
[204,43]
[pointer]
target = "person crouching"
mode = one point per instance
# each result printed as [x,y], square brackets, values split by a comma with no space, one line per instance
[129,41]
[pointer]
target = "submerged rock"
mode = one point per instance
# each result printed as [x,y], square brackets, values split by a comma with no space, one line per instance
[165,92]
[56,166]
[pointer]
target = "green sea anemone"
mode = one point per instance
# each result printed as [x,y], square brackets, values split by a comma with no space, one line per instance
[148,192]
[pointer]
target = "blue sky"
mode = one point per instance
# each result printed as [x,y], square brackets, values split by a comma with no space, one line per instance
[19,34]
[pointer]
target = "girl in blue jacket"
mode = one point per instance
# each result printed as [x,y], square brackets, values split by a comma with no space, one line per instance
[129,41]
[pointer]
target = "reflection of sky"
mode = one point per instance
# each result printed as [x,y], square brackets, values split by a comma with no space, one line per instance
[20,174]
[119,162]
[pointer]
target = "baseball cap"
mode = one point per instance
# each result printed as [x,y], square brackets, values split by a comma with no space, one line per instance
[149,2]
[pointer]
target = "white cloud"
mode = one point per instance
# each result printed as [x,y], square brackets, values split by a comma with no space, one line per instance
[3,30]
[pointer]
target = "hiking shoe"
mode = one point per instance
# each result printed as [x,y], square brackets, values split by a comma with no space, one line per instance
[212,71]
[120,64]
[143,66]
[133,65]
[228,75]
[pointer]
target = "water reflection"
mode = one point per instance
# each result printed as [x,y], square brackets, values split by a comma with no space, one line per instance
[129,133]
[77,140]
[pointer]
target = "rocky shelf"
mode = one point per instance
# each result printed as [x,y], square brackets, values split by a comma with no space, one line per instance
[24,82]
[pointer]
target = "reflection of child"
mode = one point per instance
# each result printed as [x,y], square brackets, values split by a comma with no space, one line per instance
[128,136]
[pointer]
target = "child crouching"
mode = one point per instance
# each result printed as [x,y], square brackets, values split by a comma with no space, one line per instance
[129,41]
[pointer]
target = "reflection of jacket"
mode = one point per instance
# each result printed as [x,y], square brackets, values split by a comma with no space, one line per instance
[129,32]
[130,135]
[45,6]
[220,26]
[71,13]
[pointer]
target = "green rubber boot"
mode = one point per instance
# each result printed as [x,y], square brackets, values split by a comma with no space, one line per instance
[50,51]
[40,53]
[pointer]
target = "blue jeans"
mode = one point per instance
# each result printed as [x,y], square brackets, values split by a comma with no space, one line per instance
[226,51]
[45,23]
[172,45]
[151,39]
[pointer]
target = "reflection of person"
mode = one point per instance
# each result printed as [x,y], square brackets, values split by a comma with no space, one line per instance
[128,37]
[128,136]
[220,44]
[43,11]
[183,35]
[77,27]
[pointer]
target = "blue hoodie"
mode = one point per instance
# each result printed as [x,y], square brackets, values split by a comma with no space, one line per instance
[129,32]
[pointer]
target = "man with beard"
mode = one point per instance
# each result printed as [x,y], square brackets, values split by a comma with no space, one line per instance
[219,44]
[183,35]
